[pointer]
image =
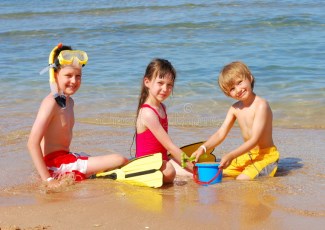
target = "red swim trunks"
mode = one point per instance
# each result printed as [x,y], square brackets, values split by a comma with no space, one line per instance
[63,162]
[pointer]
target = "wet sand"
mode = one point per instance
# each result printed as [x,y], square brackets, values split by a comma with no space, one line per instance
[291,200]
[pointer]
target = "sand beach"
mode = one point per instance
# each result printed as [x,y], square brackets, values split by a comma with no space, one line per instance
[291,200]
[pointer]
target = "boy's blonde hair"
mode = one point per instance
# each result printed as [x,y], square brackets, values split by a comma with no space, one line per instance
[231,72]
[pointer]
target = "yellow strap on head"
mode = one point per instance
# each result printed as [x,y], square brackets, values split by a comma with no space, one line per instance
[51,61]
[59,98]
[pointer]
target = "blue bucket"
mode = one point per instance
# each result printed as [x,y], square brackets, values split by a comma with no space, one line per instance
[207,173]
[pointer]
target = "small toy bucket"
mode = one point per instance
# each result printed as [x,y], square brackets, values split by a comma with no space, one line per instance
[207,173]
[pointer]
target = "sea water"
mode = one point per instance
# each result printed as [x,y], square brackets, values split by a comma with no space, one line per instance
[282,42]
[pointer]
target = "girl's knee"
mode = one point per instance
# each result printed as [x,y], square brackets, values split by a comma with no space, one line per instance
[169,172]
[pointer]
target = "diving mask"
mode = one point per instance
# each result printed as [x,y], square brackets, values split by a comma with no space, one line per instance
[69,57]
[66,57]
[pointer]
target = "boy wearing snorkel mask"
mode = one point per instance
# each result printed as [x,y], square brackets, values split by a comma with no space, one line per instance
[51,135]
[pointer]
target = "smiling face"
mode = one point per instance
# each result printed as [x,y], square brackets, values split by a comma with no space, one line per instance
[241,89]
[159,88]
[235,80]
[69,79]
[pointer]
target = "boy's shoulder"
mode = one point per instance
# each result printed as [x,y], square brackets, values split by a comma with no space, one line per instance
[48,103]
[261,101]
[49,99]
[261,105]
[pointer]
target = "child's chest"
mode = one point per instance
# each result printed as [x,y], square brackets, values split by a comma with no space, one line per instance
[65,119]
[161,113]
[245,118]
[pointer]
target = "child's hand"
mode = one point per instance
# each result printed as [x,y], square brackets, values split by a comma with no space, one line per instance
[225,161]
[59,185]
[186,159]
[196,155]
[53,184]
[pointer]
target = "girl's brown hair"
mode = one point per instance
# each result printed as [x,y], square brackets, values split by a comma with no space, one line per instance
[157,68]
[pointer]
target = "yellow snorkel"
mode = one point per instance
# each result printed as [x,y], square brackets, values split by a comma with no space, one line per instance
[65,57]
[60,99]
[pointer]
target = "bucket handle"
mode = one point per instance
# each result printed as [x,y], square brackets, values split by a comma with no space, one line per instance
[197,180]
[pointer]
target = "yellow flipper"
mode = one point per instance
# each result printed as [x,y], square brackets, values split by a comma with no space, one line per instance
[208,157]
[153,180]
[142,171]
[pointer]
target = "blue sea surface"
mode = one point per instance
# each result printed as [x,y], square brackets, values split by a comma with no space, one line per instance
[282,42]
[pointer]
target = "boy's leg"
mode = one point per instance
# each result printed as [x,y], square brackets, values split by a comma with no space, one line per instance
[104,163]
[263,163]
[237,166]
[243,177]
[62,162]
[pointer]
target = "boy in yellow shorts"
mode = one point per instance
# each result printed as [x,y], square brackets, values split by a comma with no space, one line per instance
[257,156]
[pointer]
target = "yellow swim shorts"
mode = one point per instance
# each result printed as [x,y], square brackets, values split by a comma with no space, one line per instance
[255,163]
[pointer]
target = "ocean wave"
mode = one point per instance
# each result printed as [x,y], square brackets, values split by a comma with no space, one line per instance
[96,11]
[18,33]
[110,10]
[283,21]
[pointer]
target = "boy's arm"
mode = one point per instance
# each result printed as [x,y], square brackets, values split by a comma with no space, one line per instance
[40,125]
[262,114]
[151,121]
[218,136]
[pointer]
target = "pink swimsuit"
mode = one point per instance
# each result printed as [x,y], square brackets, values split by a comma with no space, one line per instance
[147,143]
